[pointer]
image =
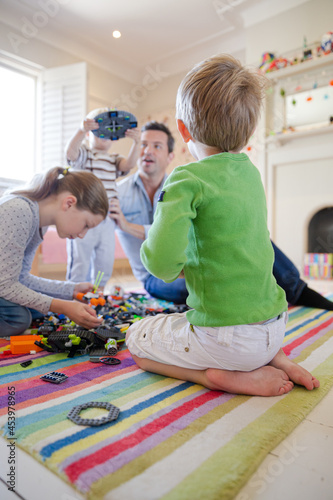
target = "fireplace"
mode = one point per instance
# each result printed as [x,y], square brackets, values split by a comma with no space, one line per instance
[320,232]
[299,184]
[298,173]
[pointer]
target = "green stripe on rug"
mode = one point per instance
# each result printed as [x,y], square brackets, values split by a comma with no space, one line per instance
[38,362]
[140,464]
[223,475]
[314,346]
[32,433]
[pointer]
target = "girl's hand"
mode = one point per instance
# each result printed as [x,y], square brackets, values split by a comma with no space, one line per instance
[82,314]
[82,288]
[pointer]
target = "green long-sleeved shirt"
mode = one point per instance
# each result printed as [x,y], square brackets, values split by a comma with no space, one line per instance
[211,222]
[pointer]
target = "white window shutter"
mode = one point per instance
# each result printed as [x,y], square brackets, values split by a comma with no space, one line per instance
[64,105]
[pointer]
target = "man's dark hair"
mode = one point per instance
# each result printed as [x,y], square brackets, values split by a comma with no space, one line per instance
[153,125]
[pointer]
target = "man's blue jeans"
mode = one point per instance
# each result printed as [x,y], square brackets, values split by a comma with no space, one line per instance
[285,272]
[173,292]
[287,276]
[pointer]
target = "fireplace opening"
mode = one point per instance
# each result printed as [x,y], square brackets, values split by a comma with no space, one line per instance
[320,232]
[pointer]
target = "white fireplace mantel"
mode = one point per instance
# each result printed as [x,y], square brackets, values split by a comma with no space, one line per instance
[298,177]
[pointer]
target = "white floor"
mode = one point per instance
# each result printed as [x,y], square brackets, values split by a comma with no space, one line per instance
[299,468]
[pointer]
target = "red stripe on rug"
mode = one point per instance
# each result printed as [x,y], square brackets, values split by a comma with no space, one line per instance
[71,390]
[75,469]
[35,381]
[300,340]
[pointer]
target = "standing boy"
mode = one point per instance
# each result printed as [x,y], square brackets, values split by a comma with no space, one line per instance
[95,252]
[210,222]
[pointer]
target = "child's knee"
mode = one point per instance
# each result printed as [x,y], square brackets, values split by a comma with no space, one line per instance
[141,362]
[128,334]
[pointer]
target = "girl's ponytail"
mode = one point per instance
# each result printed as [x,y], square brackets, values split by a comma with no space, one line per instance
[85,186]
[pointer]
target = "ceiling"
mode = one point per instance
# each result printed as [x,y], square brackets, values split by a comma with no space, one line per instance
[175,33]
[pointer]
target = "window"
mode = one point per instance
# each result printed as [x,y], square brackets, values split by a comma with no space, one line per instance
[18,124]
[40,110]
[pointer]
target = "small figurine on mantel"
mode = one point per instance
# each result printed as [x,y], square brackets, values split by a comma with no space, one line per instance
[326,46]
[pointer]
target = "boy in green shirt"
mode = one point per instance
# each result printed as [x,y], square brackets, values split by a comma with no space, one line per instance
[211,224]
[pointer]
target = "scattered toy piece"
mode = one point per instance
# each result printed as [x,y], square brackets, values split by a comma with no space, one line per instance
[74,413]
[110,361]
[26,363]
[54,377]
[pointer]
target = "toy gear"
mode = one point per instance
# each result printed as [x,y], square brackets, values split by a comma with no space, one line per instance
[74,413]
[114,123]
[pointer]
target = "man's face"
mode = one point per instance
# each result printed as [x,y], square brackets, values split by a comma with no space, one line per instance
[154,155]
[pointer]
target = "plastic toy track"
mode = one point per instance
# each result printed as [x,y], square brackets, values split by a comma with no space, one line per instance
[74,413]
[106,333]
[58,339]
[98,352]
[114,123]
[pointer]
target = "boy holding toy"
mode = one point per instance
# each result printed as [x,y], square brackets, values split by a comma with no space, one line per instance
[95,252]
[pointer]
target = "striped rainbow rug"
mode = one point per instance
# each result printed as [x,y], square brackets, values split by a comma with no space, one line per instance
[173,440]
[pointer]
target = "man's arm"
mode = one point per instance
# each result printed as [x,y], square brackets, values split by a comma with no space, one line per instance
[116,214]
[73,146]
[126,164]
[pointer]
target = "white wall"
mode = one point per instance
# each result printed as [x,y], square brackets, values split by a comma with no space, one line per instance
[286,31]
[283,33]
[297,188]
[33,49]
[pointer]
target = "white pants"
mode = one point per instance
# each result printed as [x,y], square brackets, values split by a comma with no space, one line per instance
[170,339]
[93,253]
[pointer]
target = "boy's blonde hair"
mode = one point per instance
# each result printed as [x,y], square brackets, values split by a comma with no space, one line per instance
[95,112]
[219,101]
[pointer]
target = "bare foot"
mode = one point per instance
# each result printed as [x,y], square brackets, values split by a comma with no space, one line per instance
[265,381]
[295,372]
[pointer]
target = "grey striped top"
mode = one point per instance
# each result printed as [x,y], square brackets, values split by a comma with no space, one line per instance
[20,237]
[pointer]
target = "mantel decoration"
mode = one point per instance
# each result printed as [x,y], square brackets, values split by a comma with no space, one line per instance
[270,62]
[300,97]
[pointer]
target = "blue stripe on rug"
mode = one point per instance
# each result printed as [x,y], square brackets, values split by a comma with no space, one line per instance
[48,450]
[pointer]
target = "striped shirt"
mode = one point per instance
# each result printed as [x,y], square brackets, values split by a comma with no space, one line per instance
[102,164]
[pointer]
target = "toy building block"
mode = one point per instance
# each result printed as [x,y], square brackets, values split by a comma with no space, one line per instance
[54,377]
[97,352]
[23,344]
[117,292]
[71,340]
[47,328]
[111,346]
[113,124]
[94,299]
[105,333]
[74,414]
